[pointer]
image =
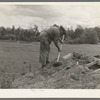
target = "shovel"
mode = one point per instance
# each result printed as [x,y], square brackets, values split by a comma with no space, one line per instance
[59,63]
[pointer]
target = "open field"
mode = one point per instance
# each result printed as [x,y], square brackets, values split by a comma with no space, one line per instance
[17,60]
[17,57]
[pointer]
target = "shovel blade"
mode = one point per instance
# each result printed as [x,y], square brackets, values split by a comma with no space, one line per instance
[57,64]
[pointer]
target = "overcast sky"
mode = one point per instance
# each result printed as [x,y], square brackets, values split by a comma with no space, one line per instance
[46,15]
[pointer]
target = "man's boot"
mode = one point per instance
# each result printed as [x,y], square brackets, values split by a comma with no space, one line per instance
[47,62]
[43,66]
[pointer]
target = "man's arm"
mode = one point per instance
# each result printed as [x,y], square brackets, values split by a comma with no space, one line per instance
[61,41]
[56,44]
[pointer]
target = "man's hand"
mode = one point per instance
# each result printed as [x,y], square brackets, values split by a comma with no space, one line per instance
[59,50]
[61,41]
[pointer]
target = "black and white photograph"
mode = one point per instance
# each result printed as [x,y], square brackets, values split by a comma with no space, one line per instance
[50,46]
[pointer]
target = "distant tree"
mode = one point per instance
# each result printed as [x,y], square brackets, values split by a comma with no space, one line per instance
[83,38]
[36,31]
[18,34]
[70,33]
[8,33]
[13,35]
[78,31]
[97,29]
[2,32]
[91,36]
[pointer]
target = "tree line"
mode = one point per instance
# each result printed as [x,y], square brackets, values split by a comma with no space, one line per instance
[79,35]
[83,35]
[19,34]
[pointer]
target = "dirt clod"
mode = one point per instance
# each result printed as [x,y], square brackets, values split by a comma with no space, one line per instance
[72,74]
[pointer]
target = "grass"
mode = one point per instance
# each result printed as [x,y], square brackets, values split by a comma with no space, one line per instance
[17,57]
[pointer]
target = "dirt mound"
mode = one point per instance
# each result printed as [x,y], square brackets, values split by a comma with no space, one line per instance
[70,75]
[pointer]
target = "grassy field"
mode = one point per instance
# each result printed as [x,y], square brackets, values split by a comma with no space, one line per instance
[16,57]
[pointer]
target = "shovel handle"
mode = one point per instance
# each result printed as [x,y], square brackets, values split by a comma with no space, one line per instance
[60,48]
[58,56]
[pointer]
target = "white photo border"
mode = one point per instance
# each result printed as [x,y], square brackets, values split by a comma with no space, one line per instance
[49,93]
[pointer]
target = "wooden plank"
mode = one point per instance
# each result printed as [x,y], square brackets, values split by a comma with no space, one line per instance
[97,71]
[68,56]
[90,59]
[91,64]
